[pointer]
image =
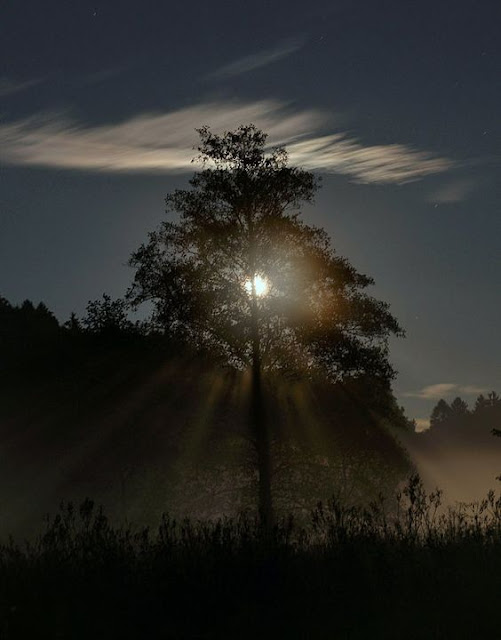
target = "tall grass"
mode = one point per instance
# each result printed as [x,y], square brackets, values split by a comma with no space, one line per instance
[407,567]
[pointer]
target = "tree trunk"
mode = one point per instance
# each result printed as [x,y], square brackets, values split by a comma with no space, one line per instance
[259,426]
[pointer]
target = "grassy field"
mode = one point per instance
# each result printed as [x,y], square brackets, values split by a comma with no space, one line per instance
[415,571]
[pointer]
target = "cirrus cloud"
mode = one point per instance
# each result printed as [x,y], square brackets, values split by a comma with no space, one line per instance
[452,192]
[257,60]
[164,142]
[8,86]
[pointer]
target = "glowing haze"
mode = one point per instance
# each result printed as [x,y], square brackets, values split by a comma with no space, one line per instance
[261,286]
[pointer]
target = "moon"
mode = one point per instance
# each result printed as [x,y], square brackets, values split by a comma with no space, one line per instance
[261,286]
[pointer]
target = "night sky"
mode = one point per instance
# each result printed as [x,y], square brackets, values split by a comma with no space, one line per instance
[395,103]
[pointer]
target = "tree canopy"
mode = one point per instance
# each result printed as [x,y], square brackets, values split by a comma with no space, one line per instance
[238,226]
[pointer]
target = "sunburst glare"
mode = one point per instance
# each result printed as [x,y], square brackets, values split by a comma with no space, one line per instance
[261,286]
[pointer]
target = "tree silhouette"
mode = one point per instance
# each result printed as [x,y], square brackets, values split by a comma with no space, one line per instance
[454,426]
[238,274]
[489,405]
[490,410]
[27,332]
[107,318]
[441,414]
[459,408]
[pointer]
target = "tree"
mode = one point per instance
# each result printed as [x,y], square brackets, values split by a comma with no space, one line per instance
[108,318]
[492,411]
[239,274]
[489,405]
[481,405]
[460,414]
[489,409]
[493,400]
[440,415]
[73,325]
[459,408]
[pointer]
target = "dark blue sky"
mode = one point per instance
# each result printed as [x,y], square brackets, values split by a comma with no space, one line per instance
[396,104]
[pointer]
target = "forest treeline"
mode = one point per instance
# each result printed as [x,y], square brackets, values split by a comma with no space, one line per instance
[456,422]
[32,332]
[28,330]
[486,412]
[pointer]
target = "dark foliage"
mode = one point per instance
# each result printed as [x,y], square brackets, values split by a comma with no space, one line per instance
[239,225]
[33,343]
[108,319]
[26,332]
[457,421]
[417,572]
[240,220]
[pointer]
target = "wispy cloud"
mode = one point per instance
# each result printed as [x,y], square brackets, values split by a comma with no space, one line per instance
[258,59]
[9,87]
[452,192]
[164,142]
[338,153]
[444,389]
